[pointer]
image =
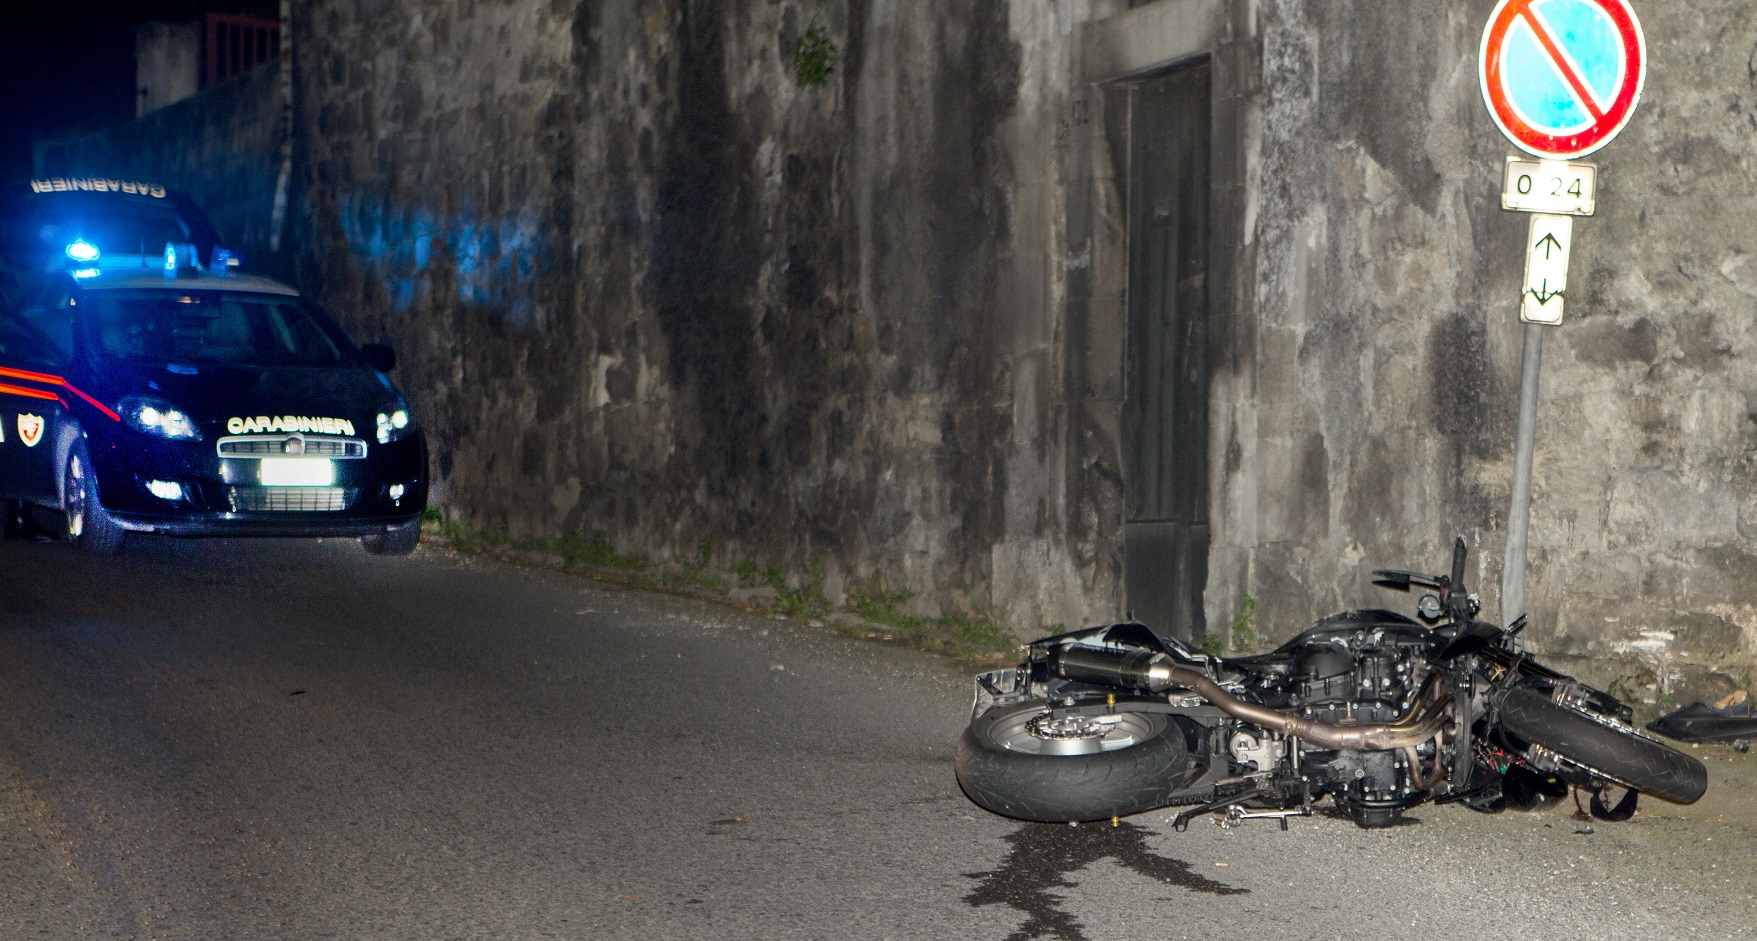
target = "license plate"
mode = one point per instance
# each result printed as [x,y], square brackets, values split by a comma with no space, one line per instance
[297,472]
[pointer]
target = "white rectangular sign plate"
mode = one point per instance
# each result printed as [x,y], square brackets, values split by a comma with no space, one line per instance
[297,472]
[1552,186]
[1546,268]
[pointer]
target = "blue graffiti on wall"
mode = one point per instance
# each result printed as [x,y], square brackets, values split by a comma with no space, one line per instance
[419,258]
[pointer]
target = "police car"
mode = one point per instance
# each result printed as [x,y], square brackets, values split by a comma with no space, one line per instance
[150,394]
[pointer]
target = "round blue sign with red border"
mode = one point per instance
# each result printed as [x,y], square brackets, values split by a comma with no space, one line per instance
[1562,77]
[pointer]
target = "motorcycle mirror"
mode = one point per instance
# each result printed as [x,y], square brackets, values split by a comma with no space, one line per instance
[1387,578]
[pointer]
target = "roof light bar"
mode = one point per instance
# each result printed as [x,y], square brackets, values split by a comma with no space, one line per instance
[180,255]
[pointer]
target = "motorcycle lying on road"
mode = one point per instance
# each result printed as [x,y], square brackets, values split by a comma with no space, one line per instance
[1373,709]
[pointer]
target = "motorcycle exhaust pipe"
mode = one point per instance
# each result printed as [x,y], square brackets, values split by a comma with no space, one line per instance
[1156,672]
[1140,670]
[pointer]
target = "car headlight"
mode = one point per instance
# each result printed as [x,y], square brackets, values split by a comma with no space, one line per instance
[394,422]
[160,418]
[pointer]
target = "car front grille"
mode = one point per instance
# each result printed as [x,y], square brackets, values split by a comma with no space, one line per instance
[291,499]
[277,445]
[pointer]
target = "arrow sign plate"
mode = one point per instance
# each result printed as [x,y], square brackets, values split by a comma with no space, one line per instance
[1546,268]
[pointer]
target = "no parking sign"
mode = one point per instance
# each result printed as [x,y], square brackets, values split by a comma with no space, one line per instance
[1562,77]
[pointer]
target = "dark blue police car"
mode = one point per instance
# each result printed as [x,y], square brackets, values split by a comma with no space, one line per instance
[145,393]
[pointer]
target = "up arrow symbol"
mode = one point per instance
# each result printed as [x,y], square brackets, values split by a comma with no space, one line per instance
[1546,268]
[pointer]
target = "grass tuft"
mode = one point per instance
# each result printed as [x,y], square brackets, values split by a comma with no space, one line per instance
[595,551]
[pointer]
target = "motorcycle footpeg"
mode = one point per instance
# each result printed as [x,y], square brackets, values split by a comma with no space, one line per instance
[1236,815]
[1182,821]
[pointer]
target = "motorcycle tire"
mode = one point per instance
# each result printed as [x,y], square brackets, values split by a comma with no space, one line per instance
[1619,754]
[1018,762]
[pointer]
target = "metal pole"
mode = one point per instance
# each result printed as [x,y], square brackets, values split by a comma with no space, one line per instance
[278,216]
[1519,516]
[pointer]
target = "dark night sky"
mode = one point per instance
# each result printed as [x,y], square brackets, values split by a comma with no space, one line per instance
[68,66]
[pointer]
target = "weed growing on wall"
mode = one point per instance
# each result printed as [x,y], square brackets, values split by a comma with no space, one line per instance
[595,551]
[814,58]
[881,608]
[805,601]
[1244,625]
[747,574]
[814,53]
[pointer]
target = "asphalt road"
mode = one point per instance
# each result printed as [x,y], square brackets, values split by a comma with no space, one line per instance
[254,740]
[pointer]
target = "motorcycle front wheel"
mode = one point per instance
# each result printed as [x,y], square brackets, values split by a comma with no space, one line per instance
[1613,751]
[1020,761]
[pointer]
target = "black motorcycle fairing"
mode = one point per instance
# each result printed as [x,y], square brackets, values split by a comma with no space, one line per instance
[1478,636]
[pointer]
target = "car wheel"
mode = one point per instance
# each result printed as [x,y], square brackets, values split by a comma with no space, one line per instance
[397,540]
[89,526]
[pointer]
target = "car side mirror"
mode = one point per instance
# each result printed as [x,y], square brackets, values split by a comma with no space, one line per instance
[379,356]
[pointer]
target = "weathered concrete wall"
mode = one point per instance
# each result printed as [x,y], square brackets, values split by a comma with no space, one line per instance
[646,284]
[221,147]
[649,285]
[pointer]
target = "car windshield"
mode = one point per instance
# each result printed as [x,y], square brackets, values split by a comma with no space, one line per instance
[214,327]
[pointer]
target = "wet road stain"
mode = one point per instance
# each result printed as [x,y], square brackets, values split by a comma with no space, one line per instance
[1043,855]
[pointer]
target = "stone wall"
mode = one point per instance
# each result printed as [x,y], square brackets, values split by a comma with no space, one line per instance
[648,284]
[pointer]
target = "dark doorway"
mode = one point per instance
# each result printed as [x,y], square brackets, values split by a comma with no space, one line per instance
[1165,413]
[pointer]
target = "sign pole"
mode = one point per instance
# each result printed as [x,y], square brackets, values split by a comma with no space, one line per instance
[1519,515]
[1560,83]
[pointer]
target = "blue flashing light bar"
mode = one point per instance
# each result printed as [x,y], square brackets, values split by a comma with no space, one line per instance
[82,251]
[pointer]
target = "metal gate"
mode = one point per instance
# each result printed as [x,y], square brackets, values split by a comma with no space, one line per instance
[1165,412]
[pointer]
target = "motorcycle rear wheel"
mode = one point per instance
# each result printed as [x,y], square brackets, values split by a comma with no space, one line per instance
[1017,761]
[1616,753]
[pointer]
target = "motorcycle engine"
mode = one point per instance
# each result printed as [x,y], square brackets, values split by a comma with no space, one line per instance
[1331,683]
[1356,681]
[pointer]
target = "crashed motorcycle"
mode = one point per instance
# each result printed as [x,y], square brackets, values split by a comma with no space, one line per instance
[1374,710]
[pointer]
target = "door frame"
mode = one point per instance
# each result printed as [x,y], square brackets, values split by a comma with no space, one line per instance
[1113,54]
